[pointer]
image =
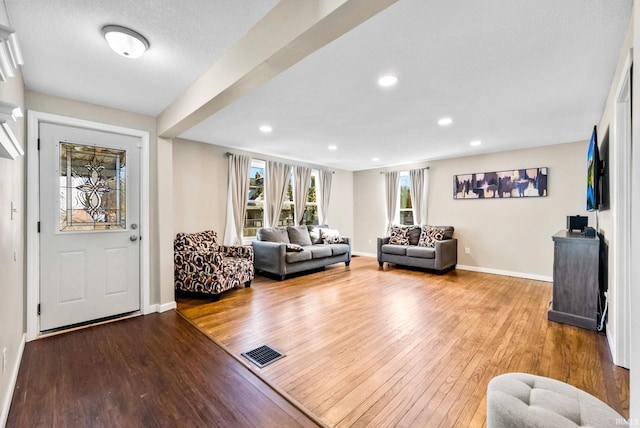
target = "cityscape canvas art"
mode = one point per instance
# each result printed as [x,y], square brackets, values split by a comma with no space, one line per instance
[517,183]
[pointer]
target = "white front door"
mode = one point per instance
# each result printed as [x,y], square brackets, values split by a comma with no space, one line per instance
[89,217]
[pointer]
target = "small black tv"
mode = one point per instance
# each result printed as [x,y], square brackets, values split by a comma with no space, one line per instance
[593,173]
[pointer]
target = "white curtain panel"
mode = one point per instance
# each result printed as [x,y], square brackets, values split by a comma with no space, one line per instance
[391,189]
[324,186]
[418,188]
[275,189]
[237,191]
[301,181]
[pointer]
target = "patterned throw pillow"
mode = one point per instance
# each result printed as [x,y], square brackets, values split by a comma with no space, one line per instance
[430,235]
[294,248]
[399,235]
[331,236]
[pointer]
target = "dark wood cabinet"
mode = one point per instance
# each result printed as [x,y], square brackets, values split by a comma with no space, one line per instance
[575,280]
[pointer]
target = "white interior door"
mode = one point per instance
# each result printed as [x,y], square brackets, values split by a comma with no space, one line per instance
[89,215]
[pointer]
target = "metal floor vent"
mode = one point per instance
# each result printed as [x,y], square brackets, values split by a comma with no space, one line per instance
[263,355]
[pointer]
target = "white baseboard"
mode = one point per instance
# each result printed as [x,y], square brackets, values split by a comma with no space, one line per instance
[6,403]
[358,253]
[166,306]
[506,273]
[484,270]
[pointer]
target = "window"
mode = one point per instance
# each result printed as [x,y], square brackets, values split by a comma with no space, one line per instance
[254,217]
[287,211]
[311,211]
[406,212]
[310,215]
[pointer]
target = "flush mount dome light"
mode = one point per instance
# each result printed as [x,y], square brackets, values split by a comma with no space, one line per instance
[266,129]
[125,41]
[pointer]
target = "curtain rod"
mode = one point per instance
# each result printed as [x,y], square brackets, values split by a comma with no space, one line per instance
[227,154]
[426,167]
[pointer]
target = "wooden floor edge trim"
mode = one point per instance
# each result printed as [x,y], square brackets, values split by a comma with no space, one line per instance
[257,374]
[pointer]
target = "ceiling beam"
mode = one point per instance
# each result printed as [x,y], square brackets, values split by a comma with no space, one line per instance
[292,30]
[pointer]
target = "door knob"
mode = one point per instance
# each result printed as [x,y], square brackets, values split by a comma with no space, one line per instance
[133,238]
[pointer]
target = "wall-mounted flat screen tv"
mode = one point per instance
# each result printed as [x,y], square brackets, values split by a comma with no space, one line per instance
[593,172]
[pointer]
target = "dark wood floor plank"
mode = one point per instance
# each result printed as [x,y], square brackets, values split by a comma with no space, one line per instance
[156,370]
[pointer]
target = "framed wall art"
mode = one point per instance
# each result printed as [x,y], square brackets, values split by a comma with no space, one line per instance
[516,183]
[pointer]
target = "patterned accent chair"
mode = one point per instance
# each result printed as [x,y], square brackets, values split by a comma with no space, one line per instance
[204,267]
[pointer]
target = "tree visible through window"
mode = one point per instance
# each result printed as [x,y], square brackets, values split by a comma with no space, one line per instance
[254,217]
[406,211]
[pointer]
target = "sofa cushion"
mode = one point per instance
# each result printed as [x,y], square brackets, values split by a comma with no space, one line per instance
[399,235]
[331,236]
[421,252]
[273,234]
[299,235]
[431,234]
[293,248]
[399,250]
[319,251]
[294,257]
[338,249]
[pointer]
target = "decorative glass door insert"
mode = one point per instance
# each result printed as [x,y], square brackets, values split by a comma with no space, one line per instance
[92,188]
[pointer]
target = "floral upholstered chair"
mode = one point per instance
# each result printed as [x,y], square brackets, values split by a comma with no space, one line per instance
[204,267]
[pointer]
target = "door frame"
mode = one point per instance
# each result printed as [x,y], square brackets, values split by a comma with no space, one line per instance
[34,119]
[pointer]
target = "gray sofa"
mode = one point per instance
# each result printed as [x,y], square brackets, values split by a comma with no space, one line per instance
[427,247]
[285,250]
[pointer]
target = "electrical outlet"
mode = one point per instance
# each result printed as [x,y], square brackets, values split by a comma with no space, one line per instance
[4,359]
[467,250]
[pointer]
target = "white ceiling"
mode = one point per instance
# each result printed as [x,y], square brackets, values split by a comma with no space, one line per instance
[513,74]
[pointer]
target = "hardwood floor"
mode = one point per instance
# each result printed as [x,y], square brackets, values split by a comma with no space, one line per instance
[148,371]
[398,347]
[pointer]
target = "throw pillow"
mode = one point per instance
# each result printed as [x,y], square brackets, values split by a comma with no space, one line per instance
[294,248]
[273,234]
[314,234]
[430,235]
[399,235]
[331,236]
[299,235]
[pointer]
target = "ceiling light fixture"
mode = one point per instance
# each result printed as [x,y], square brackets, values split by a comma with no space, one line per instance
[475,142]
[333,147]
[266,129]
[125,41]
[445,121]
[387,81]
[375,159]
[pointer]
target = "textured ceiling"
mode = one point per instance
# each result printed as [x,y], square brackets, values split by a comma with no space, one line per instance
[66,55]
[513,74]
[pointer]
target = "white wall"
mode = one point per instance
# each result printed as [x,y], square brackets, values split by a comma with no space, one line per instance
[608,220]
[200,189]
[509,236]
[12,251]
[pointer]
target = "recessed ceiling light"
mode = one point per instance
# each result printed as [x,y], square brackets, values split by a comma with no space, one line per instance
[387,81]
[124,41]
[266,129]
[445,121]
[375,159]
[333,147]
[475,142]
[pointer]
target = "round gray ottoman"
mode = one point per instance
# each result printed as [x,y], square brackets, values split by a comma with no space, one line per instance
[525,401]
